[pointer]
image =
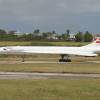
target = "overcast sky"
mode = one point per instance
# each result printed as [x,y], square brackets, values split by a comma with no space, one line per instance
[48,15]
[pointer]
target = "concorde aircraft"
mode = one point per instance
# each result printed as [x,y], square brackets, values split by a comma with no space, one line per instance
[90,50]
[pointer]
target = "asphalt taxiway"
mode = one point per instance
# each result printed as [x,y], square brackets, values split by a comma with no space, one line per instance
[23,75]
[98,62]
[45,62]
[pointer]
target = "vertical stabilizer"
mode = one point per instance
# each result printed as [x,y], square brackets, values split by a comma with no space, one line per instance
[95,43]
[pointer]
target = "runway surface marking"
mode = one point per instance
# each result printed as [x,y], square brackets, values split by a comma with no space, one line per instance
[23,75]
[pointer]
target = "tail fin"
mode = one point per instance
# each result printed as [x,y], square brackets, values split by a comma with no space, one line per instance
[97,40]
[95,43]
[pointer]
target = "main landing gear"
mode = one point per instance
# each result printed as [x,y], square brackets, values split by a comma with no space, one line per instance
[64,58]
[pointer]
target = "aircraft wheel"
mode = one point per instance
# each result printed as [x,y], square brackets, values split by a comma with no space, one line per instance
[61,60]
[68,60]
[65,60]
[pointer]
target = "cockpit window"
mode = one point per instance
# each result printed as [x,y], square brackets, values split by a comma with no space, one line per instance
[4,49]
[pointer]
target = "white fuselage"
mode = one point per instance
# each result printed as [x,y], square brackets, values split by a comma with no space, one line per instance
[89,50]
[83,51]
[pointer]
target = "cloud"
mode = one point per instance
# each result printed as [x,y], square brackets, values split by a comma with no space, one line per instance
[43,13]
[47,7]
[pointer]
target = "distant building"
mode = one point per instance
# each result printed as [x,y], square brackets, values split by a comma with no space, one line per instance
[72,37]
[52,37]
[18,33]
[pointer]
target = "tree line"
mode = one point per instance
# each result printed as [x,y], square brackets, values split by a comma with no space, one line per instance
[52,36]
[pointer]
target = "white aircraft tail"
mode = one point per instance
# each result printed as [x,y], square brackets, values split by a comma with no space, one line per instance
[95,43]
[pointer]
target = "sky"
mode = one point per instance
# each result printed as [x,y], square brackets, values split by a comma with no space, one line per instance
[49,15]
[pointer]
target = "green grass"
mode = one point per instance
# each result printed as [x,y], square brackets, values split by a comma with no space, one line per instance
[78,64]
[59,43]
[51,89]
[10,43]
[62,68]
[41,43]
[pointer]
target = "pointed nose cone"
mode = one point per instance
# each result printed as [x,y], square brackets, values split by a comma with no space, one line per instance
[4,50]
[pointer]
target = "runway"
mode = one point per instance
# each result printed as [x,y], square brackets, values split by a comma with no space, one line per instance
[22,75]
[32,62]
[45,62]
[57,62]
[98,62]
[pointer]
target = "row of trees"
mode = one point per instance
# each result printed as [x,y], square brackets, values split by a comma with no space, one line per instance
[86,37]
[37,35]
